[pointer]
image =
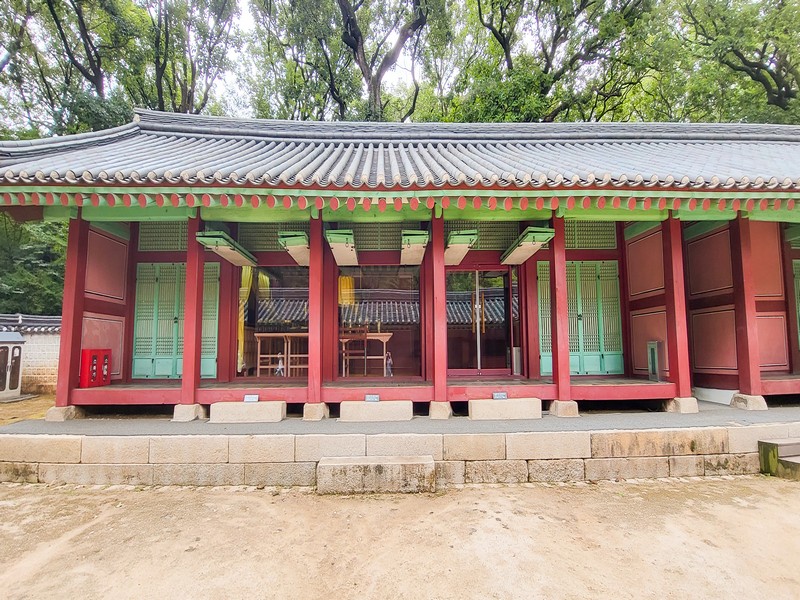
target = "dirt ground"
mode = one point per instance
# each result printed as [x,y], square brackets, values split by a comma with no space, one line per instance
[712,538]
[32,408]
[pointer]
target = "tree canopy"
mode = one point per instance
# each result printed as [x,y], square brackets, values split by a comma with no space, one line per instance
[77,65]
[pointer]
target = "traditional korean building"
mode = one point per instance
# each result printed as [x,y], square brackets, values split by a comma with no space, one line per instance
[315,263]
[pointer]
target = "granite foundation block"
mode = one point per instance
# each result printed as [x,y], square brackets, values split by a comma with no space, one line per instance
[547,445]
[96,474]
[496,471]
[449,473]
[666,442]
[17,472]
[40,448]
[598,469]
[311,448]
[303,474]
[189,449]
[261,449]
[115,450]
[556,470]
[474,446]
[198,474]
[732,464]
[745,439]
[686,466]
[405,444]
[373,474]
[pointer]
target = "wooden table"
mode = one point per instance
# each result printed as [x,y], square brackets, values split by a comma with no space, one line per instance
[382,337]
[288,355]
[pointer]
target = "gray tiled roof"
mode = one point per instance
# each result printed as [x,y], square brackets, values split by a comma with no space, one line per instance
[168,148]
[281,312]
[30,323]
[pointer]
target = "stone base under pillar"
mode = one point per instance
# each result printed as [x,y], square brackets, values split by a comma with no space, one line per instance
[271,411]
[440,410]
[502,410]
[64,413]
[388,410]
[564,408]
[748,402]
[315,411]
[681,405]
[189,412]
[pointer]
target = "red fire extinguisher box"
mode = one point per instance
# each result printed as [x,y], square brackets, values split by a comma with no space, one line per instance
[95,367]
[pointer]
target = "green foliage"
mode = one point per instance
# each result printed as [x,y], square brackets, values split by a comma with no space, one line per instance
[32,256]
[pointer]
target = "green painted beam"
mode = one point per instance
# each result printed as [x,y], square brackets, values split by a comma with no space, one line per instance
[137,213]
[636,229]
[121,230]
[612,214]
[59,213]
[248,214]
[792,233]
[773,216]
[701,228]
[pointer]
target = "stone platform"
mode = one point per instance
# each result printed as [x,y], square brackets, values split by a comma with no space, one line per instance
[292,459]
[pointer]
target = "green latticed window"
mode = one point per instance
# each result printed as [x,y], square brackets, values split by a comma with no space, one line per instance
[590,235]
[166,236]
[263,237]
[492,235]
[379,236]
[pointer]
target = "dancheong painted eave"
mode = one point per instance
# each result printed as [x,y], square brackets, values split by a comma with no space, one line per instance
[170,150]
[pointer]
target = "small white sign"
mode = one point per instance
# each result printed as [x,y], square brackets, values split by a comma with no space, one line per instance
[499,395]
[251,397]
[372,398]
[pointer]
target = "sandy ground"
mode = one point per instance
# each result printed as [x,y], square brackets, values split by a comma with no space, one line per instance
[713,538]
[32,408]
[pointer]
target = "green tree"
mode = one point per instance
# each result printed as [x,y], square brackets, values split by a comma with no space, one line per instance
[32,255]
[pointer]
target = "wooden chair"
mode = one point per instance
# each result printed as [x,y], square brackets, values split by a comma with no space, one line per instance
[355,348]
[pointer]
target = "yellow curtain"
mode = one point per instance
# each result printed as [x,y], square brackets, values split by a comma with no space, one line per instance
[244,293]
[347,292]
[263,286]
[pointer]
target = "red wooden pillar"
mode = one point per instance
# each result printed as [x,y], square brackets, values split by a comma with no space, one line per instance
[69,356]
[791,301]
[130,307]
[559,315]
[315,308]
[677,322]
[747,351]
[228,308]
[529,290]
[193,313]
[438,343]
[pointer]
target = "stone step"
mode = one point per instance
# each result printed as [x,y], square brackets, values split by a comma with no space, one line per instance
[376,474]
[387,410]
[773,453]
[789,468]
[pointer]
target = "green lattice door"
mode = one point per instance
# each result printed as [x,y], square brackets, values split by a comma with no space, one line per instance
[595,323]
[158,324]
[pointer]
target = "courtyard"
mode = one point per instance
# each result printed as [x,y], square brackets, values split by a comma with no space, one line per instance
[698,537]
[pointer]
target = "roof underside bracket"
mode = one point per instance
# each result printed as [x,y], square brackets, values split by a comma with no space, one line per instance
[413,246]
[458,244]
[220,243]
[343,246]
[296,244]
[526,245]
